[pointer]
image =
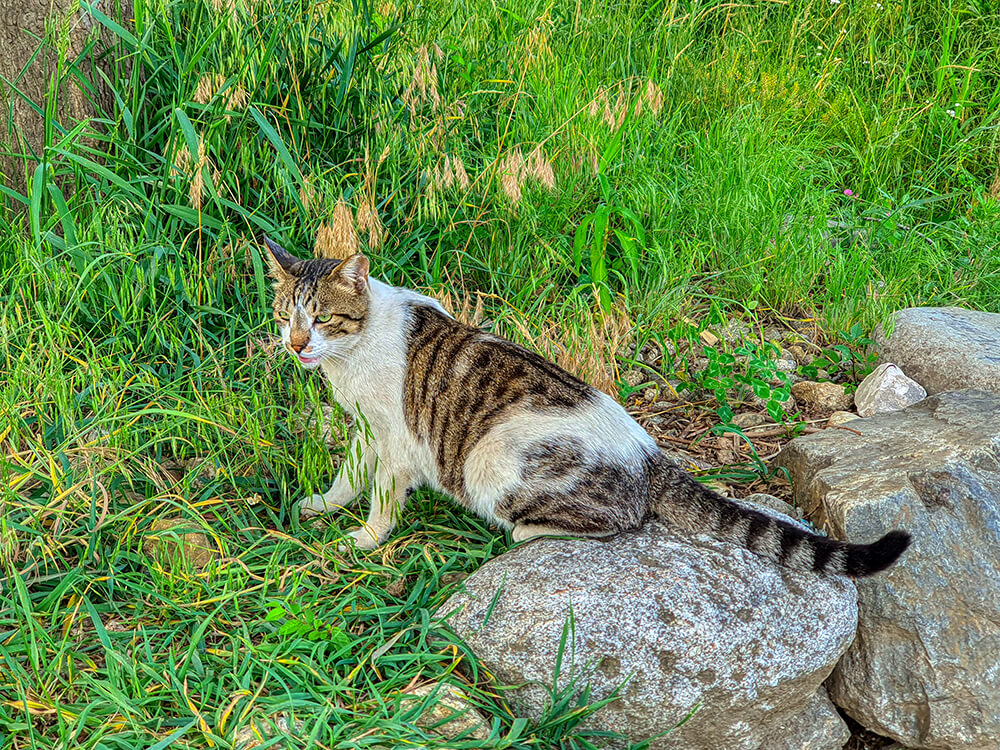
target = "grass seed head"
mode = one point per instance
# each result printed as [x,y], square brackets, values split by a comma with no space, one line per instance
[511,171]
[369,223]
[458,169]
[539,167]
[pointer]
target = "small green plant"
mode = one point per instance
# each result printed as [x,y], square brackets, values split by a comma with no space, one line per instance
[300,622]
[613,234]
[749,369]
[851,359]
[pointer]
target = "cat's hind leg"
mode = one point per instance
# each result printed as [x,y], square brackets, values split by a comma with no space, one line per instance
[524,531]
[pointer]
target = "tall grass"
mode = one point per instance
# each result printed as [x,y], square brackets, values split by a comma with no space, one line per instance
[809,158]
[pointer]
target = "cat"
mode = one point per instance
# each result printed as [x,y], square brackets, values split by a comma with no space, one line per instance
[506,433]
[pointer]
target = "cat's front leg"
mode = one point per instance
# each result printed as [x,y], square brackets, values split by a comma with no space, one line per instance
[390,491]
[352,479]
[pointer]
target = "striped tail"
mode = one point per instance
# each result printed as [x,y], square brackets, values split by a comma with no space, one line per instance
[688,506]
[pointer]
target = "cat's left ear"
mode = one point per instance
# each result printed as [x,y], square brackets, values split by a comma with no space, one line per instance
[353,272]
[279,259]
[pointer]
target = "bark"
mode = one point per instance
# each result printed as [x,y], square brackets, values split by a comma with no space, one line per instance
[40,42]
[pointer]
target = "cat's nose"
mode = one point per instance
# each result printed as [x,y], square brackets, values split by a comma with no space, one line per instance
[298,346]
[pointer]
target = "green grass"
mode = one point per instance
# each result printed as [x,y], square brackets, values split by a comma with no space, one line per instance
[135,338]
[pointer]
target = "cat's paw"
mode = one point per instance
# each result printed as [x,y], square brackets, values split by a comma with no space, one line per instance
[360,539]
[316,504]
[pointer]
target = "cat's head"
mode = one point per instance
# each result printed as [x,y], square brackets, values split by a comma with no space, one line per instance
[321,304]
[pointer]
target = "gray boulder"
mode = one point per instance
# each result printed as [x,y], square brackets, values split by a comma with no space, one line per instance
[687,624]
[944,348]
[925,668]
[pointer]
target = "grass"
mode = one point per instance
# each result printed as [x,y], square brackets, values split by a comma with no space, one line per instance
[807,160]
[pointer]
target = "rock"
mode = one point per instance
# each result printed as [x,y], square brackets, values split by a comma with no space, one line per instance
[735,331]
[261,730]
[818,725]
[747,419]
[801,354]
[172,541]
[708,338]
[771,502]
[448,712]
[778,335]
[944,348]
[841,417]
[924,668]
[886,389]
[651,354]
[684,623]
[786,363]
[633,378]
[822,397]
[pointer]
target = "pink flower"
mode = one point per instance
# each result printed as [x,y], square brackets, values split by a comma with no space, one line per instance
[848,192]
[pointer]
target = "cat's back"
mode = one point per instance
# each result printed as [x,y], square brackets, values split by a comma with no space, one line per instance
[463,384]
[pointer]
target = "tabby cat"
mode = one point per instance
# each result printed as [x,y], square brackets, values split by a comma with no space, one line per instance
[511,436]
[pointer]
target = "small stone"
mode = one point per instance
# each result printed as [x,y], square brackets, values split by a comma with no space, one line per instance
[449,714]
[822,397]
[649,394]
[449,579]
[651,354]
[662,405]
[841,417]
[887,389]
[800,354]
[171,540]
[698,364]
[734,331]
[774,334]
[396,587]
[786,363]
[262,729]
[633,378]
[746,419]
[725,456]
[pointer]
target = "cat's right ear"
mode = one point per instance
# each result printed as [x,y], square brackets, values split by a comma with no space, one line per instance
[279,260]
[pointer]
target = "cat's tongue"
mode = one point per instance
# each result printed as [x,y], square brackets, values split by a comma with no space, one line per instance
[308,361]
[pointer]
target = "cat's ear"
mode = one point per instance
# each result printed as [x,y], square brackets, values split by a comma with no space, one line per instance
[279,259]
[353,272]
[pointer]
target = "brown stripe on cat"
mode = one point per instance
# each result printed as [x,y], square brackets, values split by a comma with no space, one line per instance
[441,353]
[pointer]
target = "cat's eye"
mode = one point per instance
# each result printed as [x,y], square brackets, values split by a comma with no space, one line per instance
[284,315]
[324,318]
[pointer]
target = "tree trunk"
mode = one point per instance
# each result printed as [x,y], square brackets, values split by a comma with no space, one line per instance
[41,42]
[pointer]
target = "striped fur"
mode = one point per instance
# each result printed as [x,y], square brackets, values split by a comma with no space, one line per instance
[508,434]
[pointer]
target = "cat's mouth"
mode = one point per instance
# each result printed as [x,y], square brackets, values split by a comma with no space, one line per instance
[306,361]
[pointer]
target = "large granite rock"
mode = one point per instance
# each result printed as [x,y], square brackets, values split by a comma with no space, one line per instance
[705,625]
[944,348]
[925,668]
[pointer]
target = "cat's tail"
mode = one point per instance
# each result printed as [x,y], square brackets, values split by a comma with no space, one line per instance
[688,506]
